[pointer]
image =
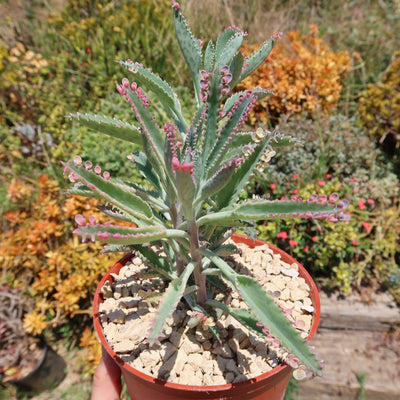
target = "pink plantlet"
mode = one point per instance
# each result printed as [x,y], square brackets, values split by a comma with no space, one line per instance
[97,169]
[259,324]
[88,165]
[292,361]
[276,343]
[125,83]
[77,160]
[299,374]
[300,324]
[80,219]
[343,204]
[313,198]
[134,86]
[103,235]
[106,175]
[287,312]
[175,163]
[269,339]
[277,35]
[176,5]
[92,220]
[204,75]
[187,166]
[266,331]
[333,198]
[121,90]
[73,177]
[225,90]
[225,70]
[322,199]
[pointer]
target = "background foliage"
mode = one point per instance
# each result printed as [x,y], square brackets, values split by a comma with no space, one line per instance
[336,78]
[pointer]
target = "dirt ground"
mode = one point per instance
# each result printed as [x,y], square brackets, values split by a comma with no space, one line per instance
[360,344]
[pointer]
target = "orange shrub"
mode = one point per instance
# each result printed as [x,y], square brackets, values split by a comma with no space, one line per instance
[38,250]
[305,75]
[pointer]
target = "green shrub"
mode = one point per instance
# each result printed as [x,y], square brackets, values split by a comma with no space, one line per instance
[335,150]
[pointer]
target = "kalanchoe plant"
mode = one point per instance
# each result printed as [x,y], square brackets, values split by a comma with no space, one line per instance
[197,171]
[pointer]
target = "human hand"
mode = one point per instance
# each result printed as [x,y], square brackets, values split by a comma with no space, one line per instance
[106,379]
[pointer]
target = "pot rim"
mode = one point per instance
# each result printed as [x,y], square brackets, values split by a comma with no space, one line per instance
[239,239]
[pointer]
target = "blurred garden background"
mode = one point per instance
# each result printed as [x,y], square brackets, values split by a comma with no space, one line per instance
[336,81]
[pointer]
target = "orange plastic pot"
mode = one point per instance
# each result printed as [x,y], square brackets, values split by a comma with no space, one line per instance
[269,386]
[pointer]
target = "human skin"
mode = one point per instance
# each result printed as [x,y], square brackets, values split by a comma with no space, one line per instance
[106,379]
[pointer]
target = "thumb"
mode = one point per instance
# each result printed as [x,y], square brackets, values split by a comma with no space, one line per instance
[106,379]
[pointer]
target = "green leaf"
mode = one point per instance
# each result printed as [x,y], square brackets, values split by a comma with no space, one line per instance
[271,316]
[216,182]
[244,316]
[191,49]
[146,169]
[110,126]
[225,56]
[257,58]
[149,127]
[123,235]
[186,192]
[236,68]
[209,56]
[115,213]
[196,307]
[263,209]
[229,41]
[212,115]
[222,144]
[259,92]
[153,82]
[195,128]
[230,193]
[161,264]
[82,190]
[169,302]
[121,197]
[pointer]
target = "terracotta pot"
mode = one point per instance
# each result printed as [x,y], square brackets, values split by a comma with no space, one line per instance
[271,385]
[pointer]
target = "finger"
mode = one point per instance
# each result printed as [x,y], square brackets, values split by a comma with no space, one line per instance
[106,379]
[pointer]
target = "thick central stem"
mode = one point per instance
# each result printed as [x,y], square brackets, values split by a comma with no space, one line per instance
[196,256]
[180,266]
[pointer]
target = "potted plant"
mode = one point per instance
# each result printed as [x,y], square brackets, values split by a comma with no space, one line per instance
[181,220]
[26,360]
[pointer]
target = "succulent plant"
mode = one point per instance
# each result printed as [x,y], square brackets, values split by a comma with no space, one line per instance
[195,172]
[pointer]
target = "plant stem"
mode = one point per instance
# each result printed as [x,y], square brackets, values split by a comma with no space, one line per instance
[180,266]
[196,256]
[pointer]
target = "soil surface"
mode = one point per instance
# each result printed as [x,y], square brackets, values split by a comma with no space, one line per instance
[188,352]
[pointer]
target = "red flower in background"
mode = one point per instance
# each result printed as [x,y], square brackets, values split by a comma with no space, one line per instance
[366,226]
[282,235]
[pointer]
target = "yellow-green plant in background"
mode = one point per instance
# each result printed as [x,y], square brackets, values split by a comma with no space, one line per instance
[305,75]
[379,107]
